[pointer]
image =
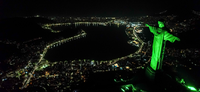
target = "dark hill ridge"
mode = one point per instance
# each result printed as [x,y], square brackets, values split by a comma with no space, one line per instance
[20,29]
[182,12]
[40,20]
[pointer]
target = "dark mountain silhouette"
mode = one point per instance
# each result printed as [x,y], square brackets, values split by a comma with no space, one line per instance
[20,29]
[182,12]
[40,20]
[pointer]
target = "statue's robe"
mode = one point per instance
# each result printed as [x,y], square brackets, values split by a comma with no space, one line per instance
[158,48]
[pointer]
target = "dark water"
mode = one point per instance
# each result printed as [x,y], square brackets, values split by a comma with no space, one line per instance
[101,43]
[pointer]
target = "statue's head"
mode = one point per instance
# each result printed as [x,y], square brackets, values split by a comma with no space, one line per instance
[161,23]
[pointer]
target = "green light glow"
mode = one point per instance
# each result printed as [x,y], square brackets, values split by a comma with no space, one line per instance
[122,90]
[159,42]
[128,87]
[192,88]
[182,81]
[115,80]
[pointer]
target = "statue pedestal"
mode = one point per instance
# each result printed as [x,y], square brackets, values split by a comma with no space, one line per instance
[152,74]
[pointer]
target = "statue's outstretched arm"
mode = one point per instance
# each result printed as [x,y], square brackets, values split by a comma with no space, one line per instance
[152,29]
[170,37]
[147,25]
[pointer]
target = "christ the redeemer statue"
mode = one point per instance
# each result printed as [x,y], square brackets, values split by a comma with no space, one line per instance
[161,35]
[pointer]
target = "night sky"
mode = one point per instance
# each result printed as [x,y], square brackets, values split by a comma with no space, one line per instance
[90,7]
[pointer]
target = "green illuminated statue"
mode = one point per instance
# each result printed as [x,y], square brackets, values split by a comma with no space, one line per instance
[161,35]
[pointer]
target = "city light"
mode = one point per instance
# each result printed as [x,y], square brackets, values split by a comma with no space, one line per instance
[27,73]
[192,88]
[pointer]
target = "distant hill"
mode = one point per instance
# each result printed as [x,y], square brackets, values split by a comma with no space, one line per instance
[182,12]
[40,20]
[20,29]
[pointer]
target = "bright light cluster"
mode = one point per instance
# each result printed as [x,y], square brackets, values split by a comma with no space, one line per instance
[128,88]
